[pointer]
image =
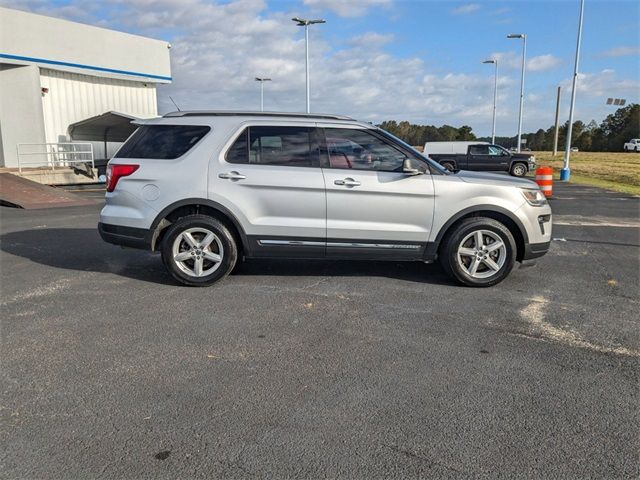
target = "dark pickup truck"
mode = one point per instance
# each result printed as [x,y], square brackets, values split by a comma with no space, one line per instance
[485,157]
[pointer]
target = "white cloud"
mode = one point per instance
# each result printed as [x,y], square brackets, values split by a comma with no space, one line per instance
[543,62]
[604,84]
[513,60]
[466,9]
[372,39]
[347,8]
[224,46]
[621,51]
[74,12]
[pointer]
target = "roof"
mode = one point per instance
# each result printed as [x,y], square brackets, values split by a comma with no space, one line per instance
[231,113]
[107,127]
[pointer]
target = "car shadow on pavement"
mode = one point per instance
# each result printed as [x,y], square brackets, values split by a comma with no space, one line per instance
[409,271]
[82,249]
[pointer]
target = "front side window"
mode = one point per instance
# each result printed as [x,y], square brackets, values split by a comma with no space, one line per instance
[271,145]
[164,142]
[494,151]
[360,150]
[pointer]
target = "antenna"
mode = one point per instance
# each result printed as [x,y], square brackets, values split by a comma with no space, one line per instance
[176,105]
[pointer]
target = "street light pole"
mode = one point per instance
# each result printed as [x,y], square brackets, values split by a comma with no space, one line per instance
[495,98]
[524,60]
[565,173]
[306,65]
[305,23]
[262,80]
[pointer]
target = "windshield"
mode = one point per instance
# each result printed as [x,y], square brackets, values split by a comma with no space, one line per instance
[435,165]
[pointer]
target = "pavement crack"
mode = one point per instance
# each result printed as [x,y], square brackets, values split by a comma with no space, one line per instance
[411,454]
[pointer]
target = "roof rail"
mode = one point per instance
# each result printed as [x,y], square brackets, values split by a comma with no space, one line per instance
[231,113]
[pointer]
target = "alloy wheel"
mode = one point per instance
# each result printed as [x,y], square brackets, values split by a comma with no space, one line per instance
[519,170]
[198,252]
[482,253]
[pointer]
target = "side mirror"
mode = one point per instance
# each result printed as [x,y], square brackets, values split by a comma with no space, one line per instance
[407,169]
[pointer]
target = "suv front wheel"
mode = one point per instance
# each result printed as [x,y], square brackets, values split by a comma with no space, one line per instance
[478,252]
[198,250]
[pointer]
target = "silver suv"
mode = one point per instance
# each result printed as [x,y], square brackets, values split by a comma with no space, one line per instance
[206,188]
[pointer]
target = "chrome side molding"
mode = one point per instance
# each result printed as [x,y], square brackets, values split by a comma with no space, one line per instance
[304,243]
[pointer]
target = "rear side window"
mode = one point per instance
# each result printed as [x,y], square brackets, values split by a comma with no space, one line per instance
[271,145]
[164,142]
[479,150]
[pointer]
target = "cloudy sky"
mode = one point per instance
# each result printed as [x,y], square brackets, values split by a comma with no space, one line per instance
[383,59]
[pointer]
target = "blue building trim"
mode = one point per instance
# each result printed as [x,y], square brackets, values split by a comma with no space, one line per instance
[86,67]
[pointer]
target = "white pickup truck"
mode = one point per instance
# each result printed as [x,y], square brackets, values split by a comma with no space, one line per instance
[632,145]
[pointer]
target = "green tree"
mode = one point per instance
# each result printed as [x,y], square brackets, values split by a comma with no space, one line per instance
[610,135]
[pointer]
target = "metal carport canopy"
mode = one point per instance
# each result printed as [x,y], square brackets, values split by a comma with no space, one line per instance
[108,127]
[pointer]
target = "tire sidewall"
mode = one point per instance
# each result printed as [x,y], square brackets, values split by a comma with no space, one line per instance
[450,257]
[449,166]
[229,256]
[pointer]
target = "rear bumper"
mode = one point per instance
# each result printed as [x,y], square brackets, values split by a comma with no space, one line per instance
[125,236]
[535,250]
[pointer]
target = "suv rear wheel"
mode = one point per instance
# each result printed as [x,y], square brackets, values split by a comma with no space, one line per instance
[478,252]
[518,170]
[198,250]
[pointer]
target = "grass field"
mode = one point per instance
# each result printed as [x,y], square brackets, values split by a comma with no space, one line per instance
[612,170]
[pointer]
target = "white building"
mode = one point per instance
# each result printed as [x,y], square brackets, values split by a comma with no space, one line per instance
[56,76]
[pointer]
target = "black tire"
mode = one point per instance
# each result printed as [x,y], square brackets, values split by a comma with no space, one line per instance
[224,244]
[452,241]
[518,169]
[449,166]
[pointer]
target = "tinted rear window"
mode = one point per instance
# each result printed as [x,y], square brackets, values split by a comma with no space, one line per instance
[274,145]
[162,141]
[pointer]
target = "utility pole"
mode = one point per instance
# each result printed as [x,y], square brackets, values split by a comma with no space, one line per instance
[565,173]
[555,135]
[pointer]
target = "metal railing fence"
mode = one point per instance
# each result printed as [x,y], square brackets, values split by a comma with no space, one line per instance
[54,155]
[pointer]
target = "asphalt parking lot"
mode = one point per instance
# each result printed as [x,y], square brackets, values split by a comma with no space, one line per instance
[320,369]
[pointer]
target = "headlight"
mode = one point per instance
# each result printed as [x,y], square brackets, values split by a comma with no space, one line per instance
[533,197]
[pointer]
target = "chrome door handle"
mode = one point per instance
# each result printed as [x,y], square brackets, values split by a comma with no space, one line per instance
[232,176]
[348,182]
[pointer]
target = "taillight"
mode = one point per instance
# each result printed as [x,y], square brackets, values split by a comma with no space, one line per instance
[116,171]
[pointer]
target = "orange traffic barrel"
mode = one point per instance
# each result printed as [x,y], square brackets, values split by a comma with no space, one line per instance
[544,178]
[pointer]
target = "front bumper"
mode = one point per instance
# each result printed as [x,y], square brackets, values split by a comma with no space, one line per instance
[535,250]
[125,236]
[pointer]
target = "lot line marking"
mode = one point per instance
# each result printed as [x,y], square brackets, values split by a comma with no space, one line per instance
[534,315]
[580,221]
[42,291]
